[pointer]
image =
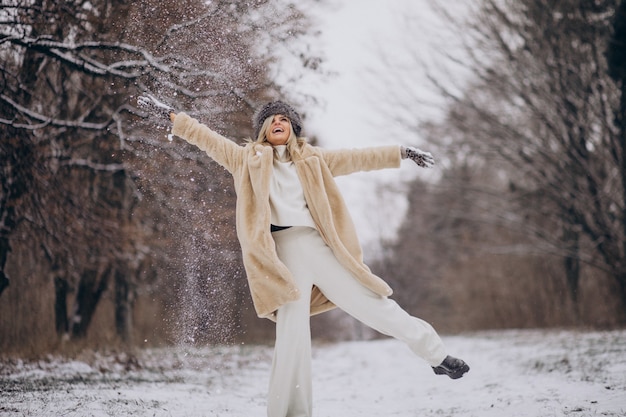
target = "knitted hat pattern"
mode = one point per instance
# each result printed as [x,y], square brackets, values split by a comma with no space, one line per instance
[272,108]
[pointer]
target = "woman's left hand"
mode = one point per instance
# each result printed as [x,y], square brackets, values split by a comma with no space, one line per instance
[421,158]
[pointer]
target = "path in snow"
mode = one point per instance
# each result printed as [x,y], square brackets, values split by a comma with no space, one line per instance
[514,373]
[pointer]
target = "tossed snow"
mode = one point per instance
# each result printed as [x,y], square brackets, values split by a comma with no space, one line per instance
[531,373]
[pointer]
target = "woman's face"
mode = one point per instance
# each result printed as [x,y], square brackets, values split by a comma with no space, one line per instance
[279,130]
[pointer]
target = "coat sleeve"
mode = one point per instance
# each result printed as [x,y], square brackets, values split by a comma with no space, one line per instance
[224,151]
[347,161]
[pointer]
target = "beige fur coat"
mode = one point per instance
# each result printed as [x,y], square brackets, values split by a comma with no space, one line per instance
[271,283]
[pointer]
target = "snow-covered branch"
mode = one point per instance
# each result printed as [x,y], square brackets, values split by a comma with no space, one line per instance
[74,54]
[96,166]
[44,121]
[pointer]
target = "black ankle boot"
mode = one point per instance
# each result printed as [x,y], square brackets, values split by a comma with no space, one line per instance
[453,367]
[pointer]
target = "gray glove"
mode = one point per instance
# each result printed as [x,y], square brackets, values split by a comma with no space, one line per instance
[421,158]
[152,105]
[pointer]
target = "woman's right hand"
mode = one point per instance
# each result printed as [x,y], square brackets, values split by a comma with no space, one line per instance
[153,105]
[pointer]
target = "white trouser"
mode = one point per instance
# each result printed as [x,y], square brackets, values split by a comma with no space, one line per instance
[311,262]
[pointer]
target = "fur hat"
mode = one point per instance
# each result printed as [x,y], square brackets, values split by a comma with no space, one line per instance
[272,108]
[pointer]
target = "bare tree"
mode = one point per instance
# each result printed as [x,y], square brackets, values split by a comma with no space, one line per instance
[549,115]
[79,161]
[542,115]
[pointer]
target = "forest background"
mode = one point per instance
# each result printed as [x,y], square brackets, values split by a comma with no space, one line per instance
[113,236]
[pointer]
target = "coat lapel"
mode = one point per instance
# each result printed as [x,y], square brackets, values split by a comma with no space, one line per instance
[260,162]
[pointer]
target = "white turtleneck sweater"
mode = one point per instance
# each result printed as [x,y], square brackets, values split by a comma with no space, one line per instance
[287,203]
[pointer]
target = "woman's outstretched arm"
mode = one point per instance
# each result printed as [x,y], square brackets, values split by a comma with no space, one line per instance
[224,151]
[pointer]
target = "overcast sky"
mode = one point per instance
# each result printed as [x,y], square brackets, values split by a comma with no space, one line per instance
[353,38]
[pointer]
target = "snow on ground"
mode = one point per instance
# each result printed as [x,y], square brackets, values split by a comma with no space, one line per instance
[529,373]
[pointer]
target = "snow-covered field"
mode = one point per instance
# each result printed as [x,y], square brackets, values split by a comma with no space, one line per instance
[514,373]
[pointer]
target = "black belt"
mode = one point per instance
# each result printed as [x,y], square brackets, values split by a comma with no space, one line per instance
[274,228]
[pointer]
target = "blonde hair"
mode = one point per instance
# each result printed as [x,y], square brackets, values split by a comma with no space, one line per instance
[294,143]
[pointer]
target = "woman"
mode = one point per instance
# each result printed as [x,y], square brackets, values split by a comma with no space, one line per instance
[300,247]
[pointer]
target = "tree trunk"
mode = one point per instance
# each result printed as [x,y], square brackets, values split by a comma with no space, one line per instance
[123,306]
[572,268]
[10,191]
[90,290]
[5,248]
[620,121]
[61,288]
